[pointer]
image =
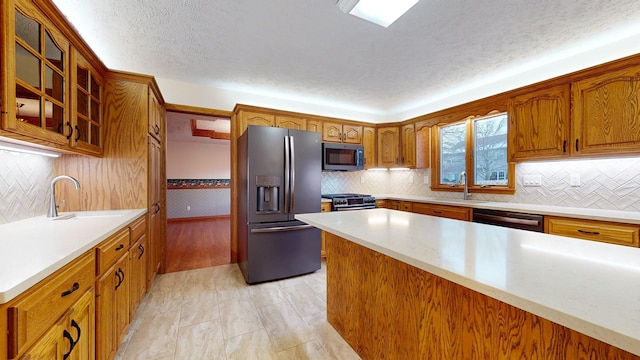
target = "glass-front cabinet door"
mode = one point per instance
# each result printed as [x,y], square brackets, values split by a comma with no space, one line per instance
[38,57]
[87,106]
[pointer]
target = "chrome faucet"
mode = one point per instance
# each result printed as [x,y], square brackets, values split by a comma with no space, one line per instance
[463,181]
[53,208]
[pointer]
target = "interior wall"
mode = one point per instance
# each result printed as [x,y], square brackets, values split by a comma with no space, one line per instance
[194,160]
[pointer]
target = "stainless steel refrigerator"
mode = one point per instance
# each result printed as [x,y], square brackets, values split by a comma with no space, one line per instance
[279,173]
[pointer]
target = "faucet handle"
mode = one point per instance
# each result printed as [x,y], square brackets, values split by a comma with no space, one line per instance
[60,203]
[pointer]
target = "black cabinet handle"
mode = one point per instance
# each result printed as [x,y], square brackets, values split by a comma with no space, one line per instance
[75,287]
[119,279]
[79,133]
[77,327]
[564,146]
[70,130]
[141,251]
[589,232]
[157,129]
[120,247]
[437,212]
[67,336]
[157,207]
[577,140]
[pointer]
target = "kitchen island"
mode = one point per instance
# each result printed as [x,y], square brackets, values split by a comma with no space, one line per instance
[404,285]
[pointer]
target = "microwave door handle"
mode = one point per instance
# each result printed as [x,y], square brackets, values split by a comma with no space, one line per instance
[293,174]
[287,173]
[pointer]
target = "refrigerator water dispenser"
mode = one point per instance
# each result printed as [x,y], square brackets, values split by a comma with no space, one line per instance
[268,191]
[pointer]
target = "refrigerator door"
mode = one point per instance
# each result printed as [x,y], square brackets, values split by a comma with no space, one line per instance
[280,250]
[266,178]
[306,156]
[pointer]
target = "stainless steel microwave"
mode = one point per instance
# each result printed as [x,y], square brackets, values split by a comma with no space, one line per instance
[342,157]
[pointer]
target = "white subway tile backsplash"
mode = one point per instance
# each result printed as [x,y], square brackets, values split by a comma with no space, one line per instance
[24,185]
[612,184]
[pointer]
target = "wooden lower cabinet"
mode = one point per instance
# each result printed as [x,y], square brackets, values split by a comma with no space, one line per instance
[446,211]
[324,207]
[138,271]
[112,308]
[609,232]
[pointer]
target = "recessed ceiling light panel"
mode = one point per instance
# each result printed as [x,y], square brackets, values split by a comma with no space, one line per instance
[381,12]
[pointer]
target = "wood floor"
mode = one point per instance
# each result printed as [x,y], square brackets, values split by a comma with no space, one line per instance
[199,243]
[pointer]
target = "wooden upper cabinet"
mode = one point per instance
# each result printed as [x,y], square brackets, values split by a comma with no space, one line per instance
[539,124]
[247,118]
[314,125]
[408,144]
[423,144]
[606,114]
[344,133]
[155,118]
[36,62]
[86,113]
[388,146]
[369,144]
[290,122]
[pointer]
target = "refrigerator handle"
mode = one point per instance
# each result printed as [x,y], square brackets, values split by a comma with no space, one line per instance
[281,229]
[293,174]
[287,174]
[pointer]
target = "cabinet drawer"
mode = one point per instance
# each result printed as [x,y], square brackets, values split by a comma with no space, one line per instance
[614,233]
[450,212]
[111,249]
[42,305]
[138,228]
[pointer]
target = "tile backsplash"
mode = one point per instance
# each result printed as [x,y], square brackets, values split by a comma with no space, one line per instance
[612,184]
[24,185]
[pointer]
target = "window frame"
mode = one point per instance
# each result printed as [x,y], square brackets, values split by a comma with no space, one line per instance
[509,188]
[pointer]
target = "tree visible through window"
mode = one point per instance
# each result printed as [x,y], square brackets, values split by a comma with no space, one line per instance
[490,151]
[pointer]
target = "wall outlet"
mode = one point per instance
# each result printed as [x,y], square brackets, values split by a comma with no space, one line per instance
[188,208]
[411,179]
[426,180]
[574,180]
[361,179]
[532,180]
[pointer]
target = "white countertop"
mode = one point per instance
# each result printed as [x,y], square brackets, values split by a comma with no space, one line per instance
[587,286]
[629,217]
[32,249]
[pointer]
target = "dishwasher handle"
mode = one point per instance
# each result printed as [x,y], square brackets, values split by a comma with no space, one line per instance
[506,219]
[280,229]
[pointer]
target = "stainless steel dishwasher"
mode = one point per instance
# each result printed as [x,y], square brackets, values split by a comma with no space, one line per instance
[510,219]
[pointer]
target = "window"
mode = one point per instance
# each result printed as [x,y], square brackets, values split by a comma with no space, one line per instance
[477,146]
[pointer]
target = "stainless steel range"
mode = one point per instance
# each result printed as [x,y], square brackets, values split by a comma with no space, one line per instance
[341,202]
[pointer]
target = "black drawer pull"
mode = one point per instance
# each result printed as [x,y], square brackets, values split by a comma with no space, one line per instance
[120,247]
[589,232]
[577,141]
[437,212]
[141,251]
[70,130]
[79,133]
[75,325]
[75,287]
[119,279]
[564,146]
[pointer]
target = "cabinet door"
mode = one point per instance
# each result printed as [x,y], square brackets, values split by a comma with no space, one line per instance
[606,114]
[314,125]
[155,117]
[155,241]
[105,314]
[122,300]
[331,132]
[324,207]
[614,233]
[80,323]
[138,271]
[388,146]
[253,118]
[290,122]
[539,124]
[37,57]
[52,346]
[423,145]
[86,114]
[351,134]
[408,145]
[369,144]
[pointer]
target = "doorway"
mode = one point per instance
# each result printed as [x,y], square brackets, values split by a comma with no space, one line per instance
[198,188]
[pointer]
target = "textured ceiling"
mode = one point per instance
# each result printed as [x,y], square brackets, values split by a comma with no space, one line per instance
[310,49]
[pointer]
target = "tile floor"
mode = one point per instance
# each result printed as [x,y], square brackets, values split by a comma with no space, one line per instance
[212,313]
